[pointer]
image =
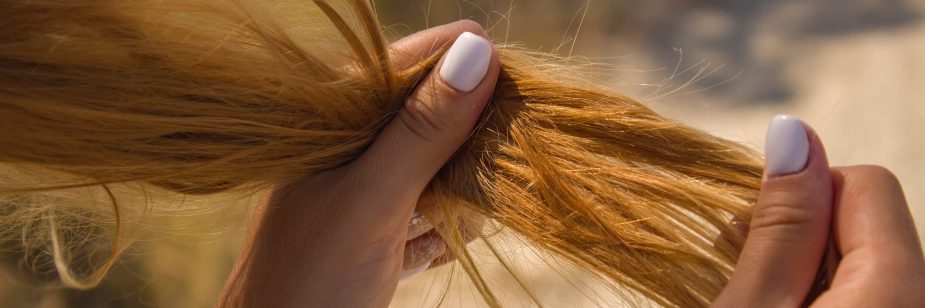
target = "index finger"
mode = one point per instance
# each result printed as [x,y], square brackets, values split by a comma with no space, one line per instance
[871,214]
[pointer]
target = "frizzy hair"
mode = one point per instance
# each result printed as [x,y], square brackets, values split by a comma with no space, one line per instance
[101,98]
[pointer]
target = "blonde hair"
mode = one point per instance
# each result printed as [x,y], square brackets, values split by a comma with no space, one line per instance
[108,105]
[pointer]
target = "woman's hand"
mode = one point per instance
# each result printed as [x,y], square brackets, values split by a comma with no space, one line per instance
[341,238]
[801,201]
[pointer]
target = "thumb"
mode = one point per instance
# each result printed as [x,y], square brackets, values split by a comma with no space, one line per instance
[434,122]
[791,222]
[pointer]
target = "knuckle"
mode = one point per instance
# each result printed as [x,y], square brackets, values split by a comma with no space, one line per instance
[874,173]
[425,117]
[420,120]
[864,180]
[779,213]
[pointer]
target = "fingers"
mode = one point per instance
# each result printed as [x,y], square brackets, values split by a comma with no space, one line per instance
[418,225]
[871,208]
[429,249]
[873,220]
[467,236]
[434,121]
[877,239]
[355,218]
[791,222]
[421,251]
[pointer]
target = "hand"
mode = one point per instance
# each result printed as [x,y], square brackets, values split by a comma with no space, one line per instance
[341,238]
[882,263]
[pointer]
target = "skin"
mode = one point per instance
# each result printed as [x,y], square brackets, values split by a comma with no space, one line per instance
[863,207]
[341,238]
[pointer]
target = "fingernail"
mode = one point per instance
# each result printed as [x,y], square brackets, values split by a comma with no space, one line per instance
[787,147]
[466,63]
[418,225]
[414,271]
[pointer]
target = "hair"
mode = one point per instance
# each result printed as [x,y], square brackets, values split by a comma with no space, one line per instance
[109,108]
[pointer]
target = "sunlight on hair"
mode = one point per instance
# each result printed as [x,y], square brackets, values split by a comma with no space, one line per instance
[117,111]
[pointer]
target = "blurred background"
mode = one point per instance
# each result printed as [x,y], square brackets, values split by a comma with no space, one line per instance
[853,69]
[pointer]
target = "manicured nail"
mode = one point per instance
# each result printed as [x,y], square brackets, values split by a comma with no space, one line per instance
[466,63]
[414,271]
[787,147]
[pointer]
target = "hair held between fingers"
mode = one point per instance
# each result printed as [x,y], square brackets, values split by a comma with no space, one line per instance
[164,100]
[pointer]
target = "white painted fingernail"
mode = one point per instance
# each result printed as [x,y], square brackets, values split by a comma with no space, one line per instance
[414,271]
[787,147]
[466,63]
